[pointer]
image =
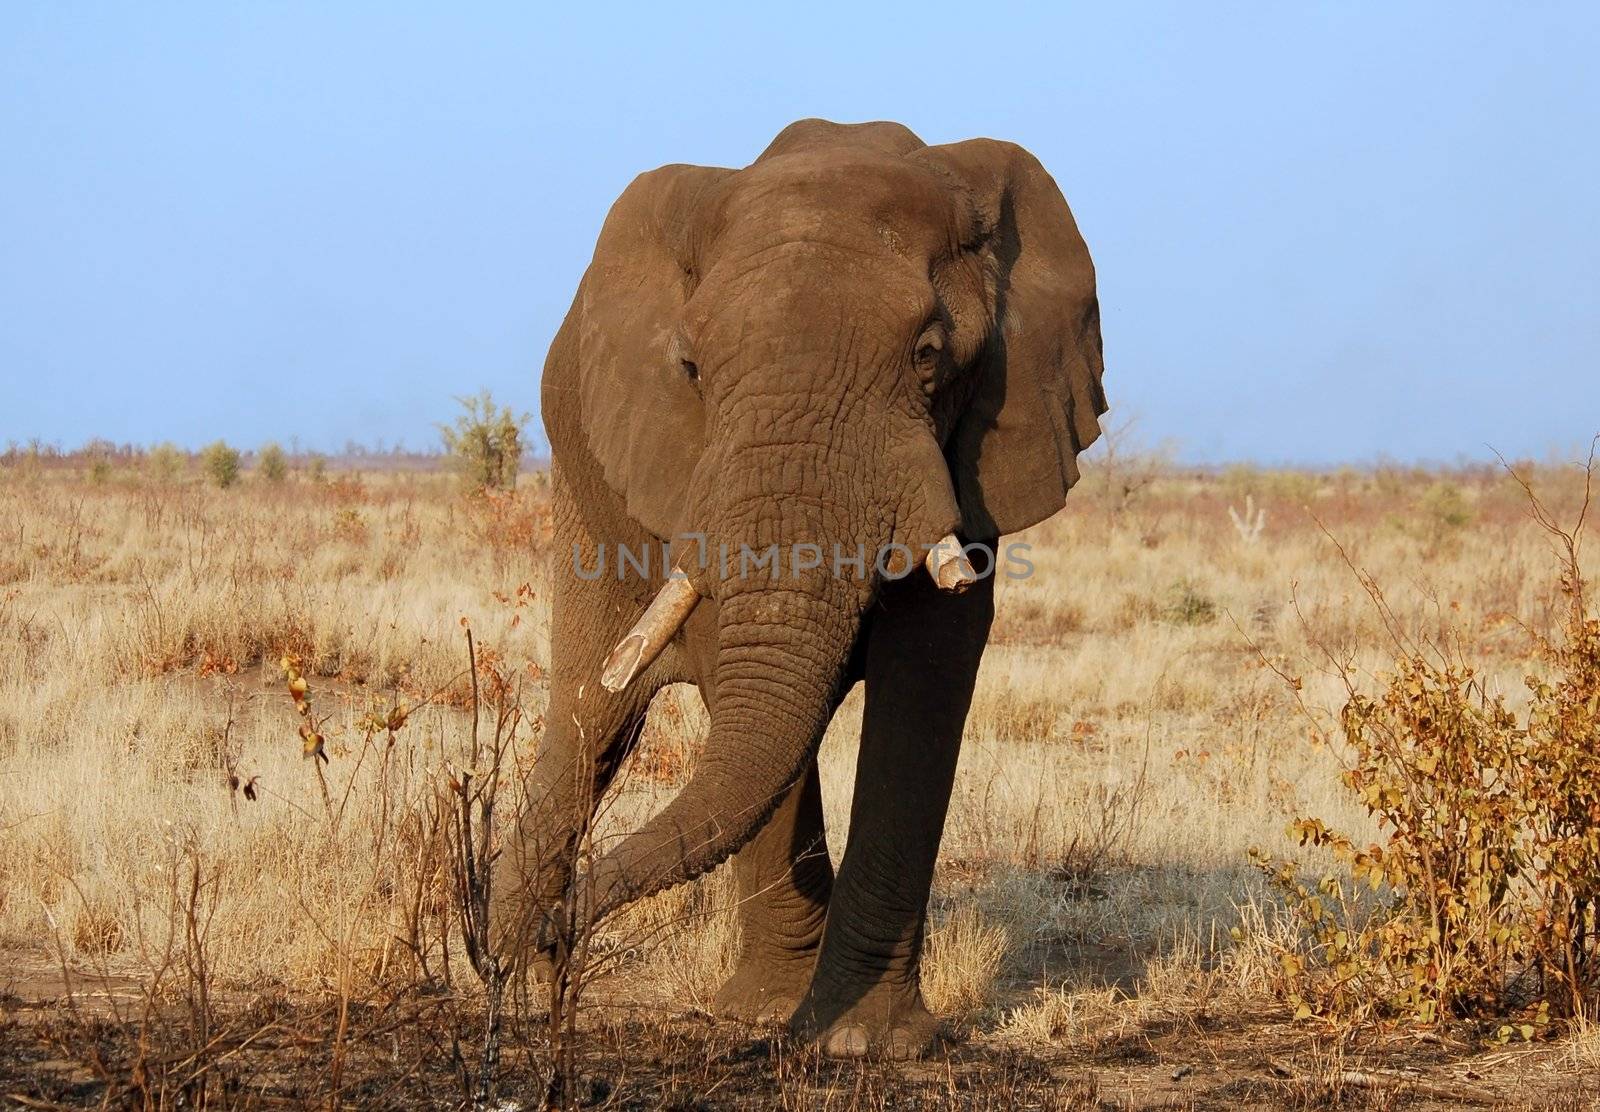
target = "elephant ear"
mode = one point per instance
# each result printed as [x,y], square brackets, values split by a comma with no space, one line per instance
[1037,396]
[642,419]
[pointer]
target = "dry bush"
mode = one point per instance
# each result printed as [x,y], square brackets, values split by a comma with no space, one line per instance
[1484,893]
[502,521]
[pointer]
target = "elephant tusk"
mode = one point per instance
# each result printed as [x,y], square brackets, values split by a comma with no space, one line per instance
[949,566]
[656,626]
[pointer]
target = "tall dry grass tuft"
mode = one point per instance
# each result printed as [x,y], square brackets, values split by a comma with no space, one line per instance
[961,964]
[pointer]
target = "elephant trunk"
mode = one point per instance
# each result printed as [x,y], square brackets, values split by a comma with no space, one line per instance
[783,647]
[784,638]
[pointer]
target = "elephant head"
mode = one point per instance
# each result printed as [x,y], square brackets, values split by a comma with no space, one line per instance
[856,341]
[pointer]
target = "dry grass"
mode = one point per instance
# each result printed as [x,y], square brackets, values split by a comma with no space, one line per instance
[1127,745]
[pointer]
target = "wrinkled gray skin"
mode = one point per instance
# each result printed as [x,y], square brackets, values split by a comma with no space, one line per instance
[856,339]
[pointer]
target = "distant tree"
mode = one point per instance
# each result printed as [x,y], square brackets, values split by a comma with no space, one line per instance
[164,462]
[221,463]
[486,442]
[317,467]
[272,463]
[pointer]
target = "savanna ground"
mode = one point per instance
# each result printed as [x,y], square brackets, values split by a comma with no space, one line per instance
[194,912]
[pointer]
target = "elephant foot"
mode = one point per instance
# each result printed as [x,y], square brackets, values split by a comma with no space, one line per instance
[766,989]
[887,1022]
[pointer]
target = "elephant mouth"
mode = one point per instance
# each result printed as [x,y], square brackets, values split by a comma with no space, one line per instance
[945,563]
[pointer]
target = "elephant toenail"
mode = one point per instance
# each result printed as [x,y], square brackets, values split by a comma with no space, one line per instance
[900,1045]
[847,1042]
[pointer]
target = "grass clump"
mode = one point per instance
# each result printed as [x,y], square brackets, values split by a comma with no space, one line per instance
[962,962]
[1187,604]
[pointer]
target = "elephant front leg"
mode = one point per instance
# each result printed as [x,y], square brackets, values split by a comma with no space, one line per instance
[784,881]
[922,659]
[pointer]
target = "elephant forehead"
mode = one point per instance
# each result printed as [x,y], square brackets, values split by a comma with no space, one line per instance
[873,200]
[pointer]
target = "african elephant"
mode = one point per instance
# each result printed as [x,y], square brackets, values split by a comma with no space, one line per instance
[856,342]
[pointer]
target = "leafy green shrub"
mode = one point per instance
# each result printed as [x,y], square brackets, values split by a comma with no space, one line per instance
[220,463]
[1296,488]
[1436,519]
[272,463]
[317,468]
[1445,505]
[486,443]
[1445,513]
[1482,899]
[164,462]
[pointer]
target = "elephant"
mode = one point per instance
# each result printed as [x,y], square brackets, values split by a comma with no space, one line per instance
[857,343]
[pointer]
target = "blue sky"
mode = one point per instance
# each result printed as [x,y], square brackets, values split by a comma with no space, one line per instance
[1324,232]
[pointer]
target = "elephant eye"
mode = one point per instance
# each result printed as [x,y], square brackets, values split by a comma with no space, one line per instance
[930,349]
[678,349]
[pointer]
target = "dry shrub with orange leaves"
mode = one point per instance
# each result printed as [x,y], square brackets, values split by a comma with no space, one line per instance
[1481,899]
[509,520]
